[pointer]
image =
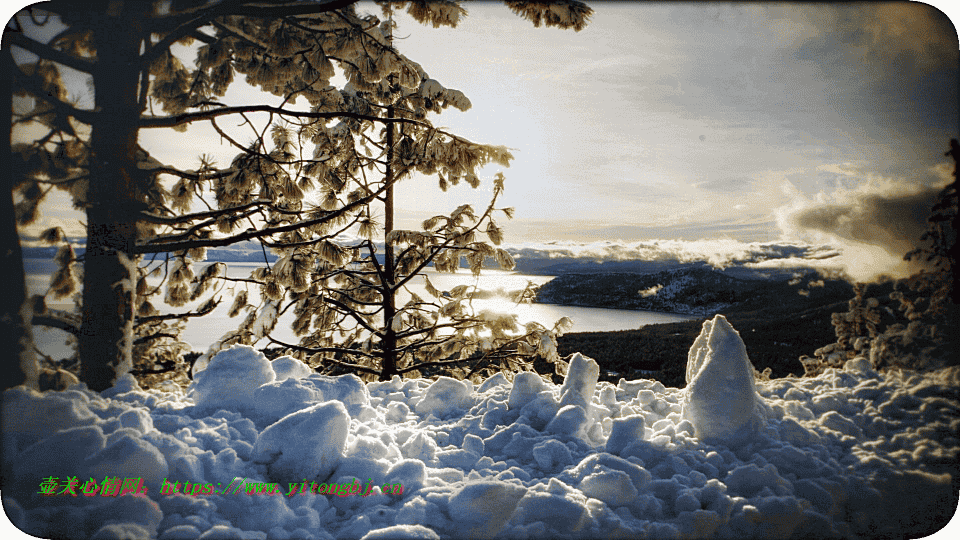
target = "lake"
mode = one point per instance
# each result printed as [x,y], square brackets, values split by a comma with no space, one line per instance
[202,332]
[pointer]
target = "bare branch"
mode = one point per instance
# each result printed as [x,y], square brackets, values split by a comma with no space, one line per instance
[46,320]
[151,337]
[185,218]
[357,367]
[189,117]
[49,53]
[171,316]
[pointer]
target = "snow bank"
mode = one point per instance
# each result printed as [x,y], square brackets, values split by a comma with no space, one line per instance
[850,453]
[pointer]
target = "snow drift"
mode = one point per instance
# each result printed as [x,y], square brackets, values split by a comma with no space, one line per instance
[850,453]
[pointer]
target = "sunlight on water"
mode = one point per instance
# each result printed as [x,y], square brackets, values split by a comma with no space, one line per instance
[203,332]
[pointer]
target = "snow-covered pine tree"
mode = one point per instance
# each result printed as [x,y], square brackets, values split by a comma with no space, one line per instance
[123,51]
[855,329]
[348,307]
[130,55]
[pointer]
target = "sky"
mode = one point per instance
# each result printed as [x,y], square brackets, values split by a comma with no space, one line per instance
[678,122]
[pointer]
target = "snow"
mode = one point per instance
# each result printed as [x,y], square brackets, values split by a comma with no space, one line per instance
[720,400]
[850,453]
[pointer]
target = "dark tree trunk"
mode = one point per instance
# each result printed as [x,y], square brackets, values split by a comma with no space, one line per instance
[15,315]
[388,367]
[106,337]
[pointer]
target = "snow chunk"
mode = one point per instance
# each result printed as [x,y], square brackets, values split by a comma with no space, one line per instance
[747,480]
[444,396]
[551,453]
[560,508]
[402,532]
[289,367]
[482,508]
[611,486]
[720,399]
[497,380]
[580,382]
[526,386]
[409,473]
[347,389]
[568,421]
[231,379]
[624,431]
[306,444]
[277,399]
[861,366]
[606,463]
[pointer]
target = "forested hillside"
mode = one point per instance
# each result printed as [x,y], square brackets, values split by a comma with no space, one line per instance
[776,322]
[692,289]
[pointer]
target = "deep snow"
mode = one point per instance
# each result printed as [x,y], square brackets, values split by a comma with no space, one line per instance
[850,453]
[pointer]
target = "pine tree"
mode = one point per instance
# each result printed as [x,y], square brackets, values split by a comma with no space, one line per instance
[347,306]
[136,206]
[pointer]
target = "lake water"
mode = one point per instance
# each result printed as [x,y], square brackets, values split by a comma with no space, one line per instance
[202,332]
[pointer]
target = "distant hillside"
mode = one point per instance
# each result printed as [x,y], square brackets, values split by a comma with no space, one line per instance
[776,322]
[692,290]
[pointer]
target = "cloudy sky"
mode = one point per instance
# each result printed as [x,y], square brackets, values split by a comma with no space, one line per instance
[751,123]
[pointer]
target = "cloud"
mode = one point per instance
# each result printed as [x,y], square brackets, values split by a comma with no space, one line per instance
[720,253]
[873,225]
[734,185]
[879,33]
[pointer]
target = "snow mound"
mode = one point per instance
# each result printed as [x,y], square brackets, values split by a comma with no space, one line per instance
[402,532]
[444,397]
[482,508]
[720,399]
[276,399]
[526,386]
[231,379]
[306,444]
[289,367]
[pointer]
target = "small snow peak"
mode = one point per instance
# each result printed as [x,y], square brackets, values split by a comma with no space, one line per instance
[580,382]
[721,400]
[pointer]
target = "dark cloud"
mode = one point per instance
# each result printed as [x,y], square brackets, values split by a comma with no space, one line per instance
[894,66]
[872,227]
[894,222]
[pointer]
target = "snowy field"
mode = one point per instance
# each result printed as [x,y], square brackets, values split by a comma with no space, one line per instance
[850,453]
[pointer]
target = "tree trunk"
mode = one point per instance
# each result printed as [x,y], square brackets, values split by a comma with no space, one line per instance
[106,337]
[15,314]
[388,367]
